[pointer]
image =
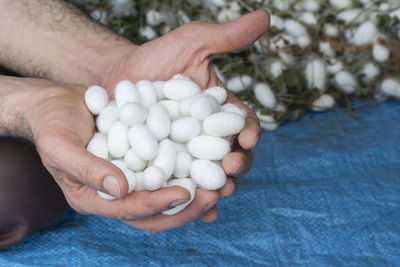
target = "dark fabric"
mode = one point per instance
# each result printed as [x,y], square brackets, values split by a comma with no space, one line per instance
[30,200]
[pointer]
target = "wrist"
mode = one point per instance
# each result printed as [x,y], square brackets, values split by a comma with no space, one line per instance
[15,99]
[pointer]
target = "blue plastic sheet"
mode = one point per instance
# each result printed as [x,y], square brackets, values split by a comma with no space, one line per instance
[324,191]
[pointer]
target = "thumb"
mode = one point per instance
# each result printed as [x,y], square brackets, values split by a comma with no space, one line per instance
[95,172]
[237,34]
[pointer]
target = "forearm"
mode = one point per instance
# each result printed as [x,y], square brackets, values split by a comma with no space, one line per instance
[53,39]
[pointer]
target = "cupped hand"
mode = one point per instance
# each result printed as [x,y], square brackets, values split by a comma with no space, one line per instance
[187,50]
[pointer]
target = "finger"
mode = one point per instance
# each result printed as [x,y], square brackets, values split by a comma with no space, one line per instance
[230,187]
[154,224]
[134,206]
[251,134]
[237,163]
[95,172]
[210,216]
[237,34]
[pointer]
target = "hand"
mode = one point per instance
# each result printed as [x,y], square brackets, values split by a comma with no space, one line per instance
[186,50]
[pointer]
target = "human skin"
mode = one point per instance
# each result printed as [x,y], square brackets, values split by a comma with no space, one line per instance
[67,47]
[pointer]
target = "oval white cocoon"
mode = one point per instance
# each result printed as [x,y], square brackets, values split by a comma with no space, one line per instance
[223,124]
[166,157]
[106,118]
[158,121]
[147,93]
[229,107]
[133,161]
[158,89]
[218,93]
[184,129]
[264,95]
[125,92]
[209,147]
[98,146]
[189,185]
[132,113]
[152,178]
[117,139]
[96,99]
[182,165]
[178,89]
[207,174]
[143,141]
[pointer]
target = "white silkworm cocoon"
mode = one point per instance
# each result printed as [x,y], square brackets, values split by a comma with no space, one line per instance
[223,124]
[117,139]
[202,106]
[326,49]
[369,72]
[146,93]
[105,196]
[308,18]
[121,8]
[172,107]
[346,82]
[316,74]
[303,41]
[229,107]
[331,30]
[98,146]
[277,22]
[125,92]
[166,157]
[286,58]
[130,175]
[184,129]
[264,95]
[209,147]
[265,118]
[158,89]
[269,126]
[310,5]
[143,141]
[154,17]
[349,15]
[158,121]
[340,4]
[178,89]
[281,5]
[218,93]
[96,99]
[207,174]
[133,161]
[294,28]
[365,33]
[147,32]
[190,186]
[182,164]
[227,14]
[335,67]
[391,87]
[380,52]
[324,102]
[106,118]
[238,84]
[132,113]
[152,178]
[184,106]
[276,68]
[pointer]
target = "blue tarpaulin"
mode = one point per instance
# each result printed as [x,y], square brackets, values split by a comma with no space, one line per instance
[323,191]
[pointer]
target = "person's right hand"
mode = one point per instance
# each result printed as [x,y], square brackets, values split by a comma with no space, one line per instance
[58,122]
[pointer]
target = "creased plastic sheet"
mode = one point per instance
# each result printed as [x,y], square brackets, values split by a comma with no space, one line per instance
[324,191]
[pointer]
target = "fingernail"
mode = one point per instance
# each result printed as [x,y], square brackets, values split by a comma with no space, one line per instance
[111,185]
[239,171]
[175,203]
[208,207]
